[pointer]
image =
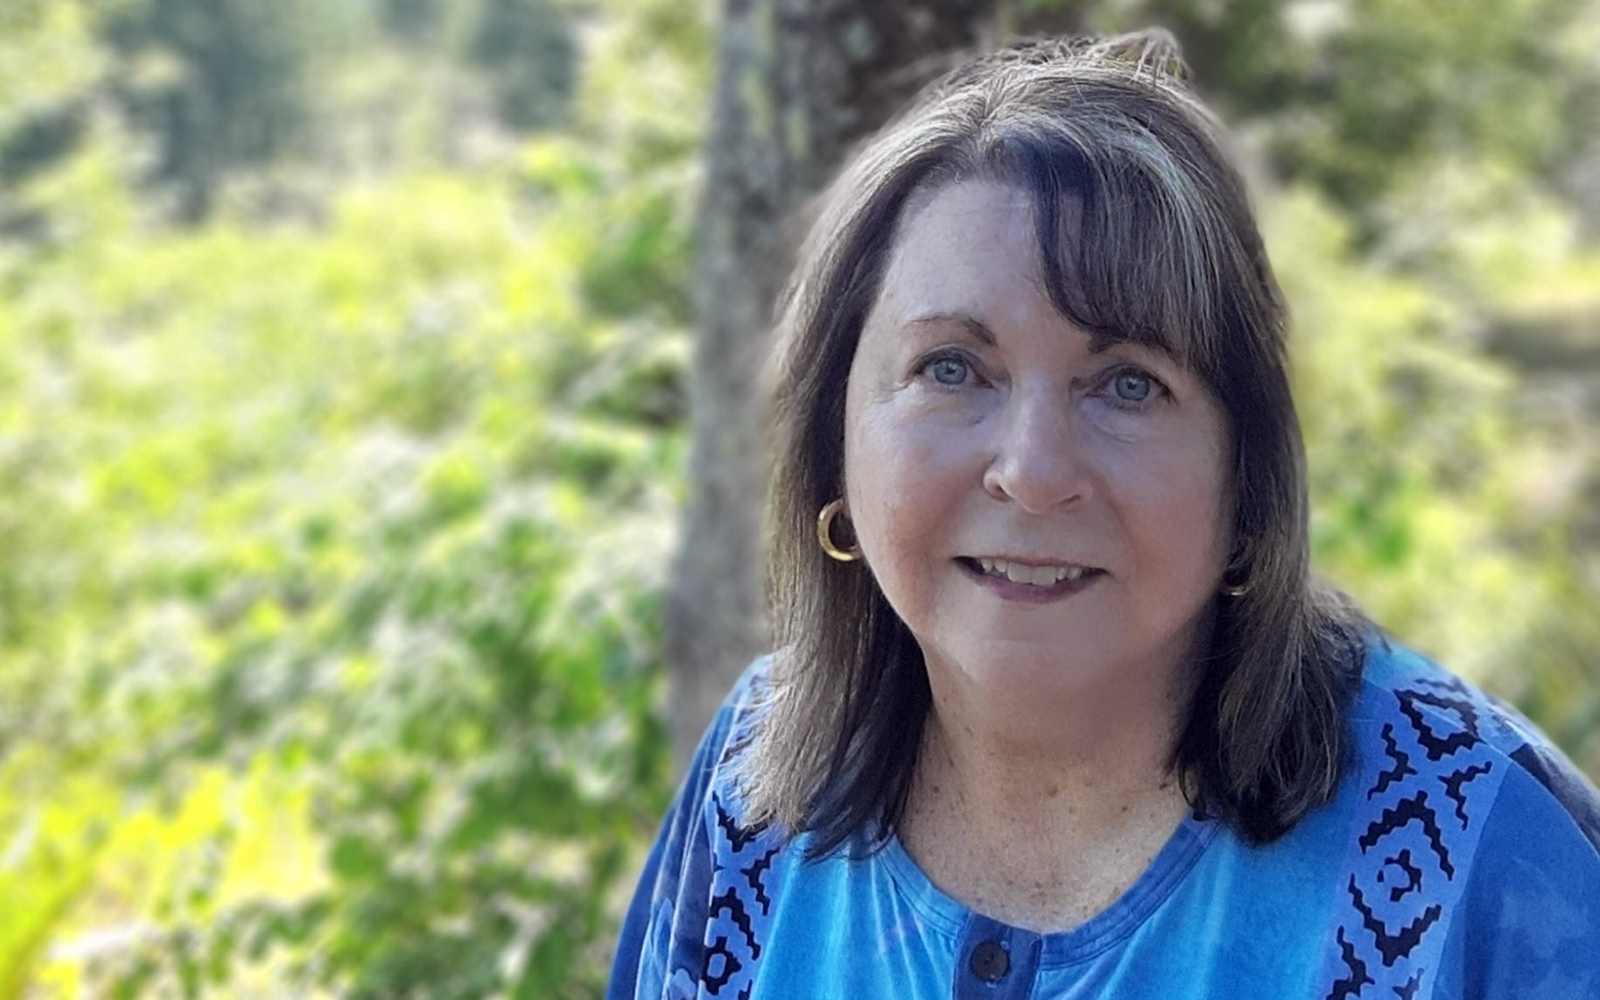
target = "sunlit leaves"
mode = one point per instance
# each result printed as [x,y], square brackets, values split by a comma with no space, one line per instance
[381,508]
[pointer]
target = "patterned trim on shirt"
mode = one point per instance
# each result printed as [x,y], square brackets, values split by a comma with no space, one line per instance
[1413,844]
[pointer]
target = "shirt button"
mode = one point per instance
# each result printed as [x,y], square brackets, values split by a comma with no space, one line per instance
[989,961]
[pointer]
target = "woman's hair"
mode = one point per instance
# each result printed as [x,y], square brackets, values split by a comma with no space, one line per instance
[1177,263]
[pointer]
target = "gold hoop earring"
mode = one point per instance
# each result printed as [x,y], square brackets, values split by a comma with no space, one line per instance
[825,534]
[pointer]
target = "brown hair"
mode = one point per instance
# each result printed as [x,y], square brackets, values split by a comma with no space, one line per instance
[1178,263]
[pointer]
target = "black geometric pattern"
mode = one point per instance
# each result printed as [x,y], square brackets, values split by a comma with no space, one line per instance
[738,836]
[1349,985]
[753,873]
[1414,809]
[1402,763]
[730,903]
[1439,746]
[1398,945]
[1446,683]
[1412,873]
[1408,989]
[1456,780]
[1402,871]
[721,966]
[740,910]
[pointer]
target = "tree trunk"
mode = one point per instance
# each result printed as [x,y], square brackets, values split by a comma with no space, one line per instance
[799,82]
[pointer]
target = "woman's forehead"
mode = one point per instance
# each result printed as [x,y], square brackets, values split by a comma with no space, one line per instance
[964,239]
[984,201]
[963,244]
[970,252]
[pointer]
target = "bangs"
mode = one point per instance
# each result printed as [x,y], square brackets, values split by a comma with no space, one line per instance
[1127,247]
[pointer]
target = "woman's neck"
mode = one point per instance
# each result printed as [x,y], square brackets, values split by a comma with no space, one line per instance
[1042,832]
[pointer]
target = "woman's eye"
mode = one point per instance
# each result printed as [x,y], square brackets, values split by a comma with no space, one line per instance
[948,370]
[1132,387]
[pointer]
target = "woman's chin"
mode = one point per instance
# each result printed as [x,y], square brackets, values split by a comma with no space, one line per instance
[1029,669]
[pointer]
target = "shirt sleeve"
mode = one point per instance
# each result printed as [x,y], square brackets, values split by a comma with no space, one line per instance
[1530,917]
[665,923]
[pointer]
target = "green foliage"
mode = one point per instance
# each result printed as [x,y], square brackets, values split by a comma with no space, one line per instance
[333,552]
[1414,462]
[1354,95]
[367,523]
[220,92]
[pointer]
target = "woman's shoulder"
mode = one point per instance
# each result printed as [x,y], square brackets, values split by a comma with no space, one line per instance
[732,726]
[1464,823]
[732,731]
[707,868]
[1422,728]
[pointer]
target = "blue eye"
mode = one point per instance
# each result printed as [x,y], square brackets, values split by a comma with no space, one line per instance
[1132,387]
[948,370]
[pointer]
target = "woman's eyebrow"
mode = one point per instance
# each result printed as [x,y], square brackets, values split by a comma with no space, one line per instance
[1100,341]
[976,327]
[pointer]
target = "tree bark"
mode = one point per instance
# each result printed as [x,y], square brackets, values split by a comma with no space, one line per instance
[799,82]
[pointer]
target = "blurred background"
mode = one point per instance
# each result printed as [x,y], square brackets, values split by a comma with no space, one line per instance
[360,376]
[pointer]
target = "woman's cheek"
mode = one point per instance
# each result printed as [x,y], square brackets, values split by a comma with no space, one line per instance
[1121,424]
[901,487]
[873,476]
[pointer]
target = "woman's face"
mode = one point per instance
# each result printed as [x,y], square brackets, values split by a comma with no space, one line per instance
[1045,511]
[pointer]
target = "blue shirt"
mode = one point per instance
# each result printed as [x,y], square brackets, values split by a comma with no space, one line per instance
[1458,860]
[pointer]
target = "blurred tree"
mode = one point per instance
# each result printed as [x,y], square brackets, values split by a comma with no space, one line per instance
[413,21]
[799,82]
[49,64]
[215,84]
[41,139]
[527,46]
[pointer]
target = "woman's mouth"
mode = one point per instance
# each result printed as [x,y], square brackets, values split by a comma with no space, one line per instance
[1035,582]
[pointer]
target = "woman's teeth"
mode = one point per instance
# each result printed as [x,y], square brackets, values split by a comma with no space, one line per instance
[1037,576]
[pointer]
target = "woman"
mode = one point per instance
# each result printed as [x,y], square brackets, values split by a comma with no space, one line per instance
[1057,709]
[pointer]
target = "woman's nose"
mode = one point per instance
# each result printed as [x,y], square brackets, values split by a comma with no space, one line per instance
[1038,460]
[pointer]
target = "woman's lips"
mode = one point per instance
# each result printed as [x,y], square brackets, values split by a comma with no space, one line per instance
[1029,593]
